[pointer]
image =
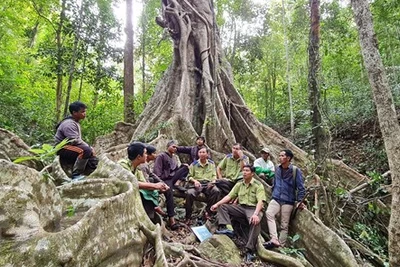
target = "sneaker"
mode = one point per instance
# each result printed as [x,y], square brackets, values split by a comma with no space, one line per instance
[249,257]
[225,231]
[270,245]
[78,177]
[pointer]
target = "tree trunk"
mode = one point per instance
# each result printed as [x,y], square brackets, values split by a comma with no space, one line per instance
[129,115]
[387,116]
[318,131]
[59,61]
[73,59]
[292,133]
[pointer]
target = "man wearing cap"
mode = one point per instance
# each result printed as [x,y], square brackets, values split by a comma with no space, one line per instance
[193,151]
[230,168]
[264,167]
[166,166]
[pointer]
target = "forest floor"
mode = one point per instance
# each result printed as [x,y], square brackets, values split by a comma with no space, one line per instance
[358,144]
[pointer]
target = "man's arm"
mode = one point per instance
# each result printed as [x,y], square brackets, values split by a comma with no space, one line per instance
[221,166]
[153,186]
[184,149]
[255,219]
[158,166]
[225,200]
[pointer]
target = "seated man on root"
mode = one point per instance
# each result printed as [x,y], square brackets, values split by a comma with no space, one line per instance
[193,151]
[149,192]
[250,196]
[152,178]
[230,168]
[264,166]
[77,151]
[202,175]
[166,167]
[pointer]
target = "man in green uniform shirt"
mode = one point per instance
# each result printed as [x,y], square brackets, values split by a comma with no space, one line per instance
[251,198]
[148,191]
[201,175]
[229,169]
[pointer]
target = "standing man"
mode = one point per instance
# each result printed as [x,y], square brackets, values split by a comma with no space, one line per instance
[230,167]
[201,175]
[77,151]
[152,178]
[193,151]
[166,167]
[149,192]
[264,167]
[248,211]
[287,189]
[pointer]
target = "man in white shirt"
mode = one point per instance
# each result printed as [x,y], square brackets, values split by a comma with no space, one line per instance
[263,166]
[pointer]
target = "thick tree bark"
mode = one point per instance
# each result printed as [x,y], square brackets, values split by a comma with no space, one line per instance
[318,131]
[387,116]
[129,115]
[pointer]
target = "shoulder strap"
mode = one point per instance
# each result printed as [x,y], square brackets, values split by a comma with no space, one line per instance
[294,181]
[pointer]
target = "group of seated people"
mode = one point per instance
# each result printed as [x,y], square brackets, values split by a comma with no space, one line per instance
[232,192]
[230,188]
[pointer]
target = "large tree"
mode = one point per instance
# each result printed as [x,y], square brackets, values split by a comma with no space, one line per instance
[387,115]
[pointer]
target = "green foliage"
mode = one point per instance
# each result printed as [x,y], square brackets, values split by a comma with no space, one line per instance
[291,250]
[71,211]
[45,154]
[370,237]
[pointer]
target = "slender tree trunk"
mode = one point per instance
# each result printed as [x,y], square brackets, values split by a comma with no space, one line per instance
[59,61]
[387,116]
[318,131]
[292,134]
[144,32]
[129,115]
[73,59]
[85,55]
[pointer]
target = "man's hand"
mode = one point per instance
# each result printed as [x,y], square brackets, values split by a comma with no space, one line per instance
[301,206]
[214,207]
[197,184]
[254,219]
[161,187]
[210,185]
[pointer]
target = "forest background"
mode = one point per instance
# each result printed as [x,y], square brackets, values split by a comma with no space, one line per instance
[55,52]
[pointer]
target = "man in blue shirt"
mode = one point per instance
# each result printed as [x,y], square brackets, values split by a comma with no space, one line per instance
[288,189]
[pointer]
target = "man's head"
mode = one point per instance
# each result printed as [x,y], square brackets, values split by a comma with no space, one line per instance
[203,153]
[151,152]
[137,152]
[78,110]
[200,140]
[285,156]
[248,171]
[235,149]
[171,146]
[265,152]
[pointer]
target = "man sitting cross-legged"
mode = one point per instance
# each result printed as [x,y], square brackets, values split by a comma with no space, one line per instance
[166,167]
[151,177]
[201,175]
[251,198]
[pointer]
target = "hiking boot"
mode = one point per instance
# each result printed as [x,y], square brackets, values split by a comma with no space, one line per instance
[225,231]
[249,257]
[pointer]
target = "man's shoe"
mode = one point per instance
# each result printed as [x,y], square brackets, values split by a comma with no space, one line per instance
[180,188]
[225,231]
[249,257]
[78,177]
